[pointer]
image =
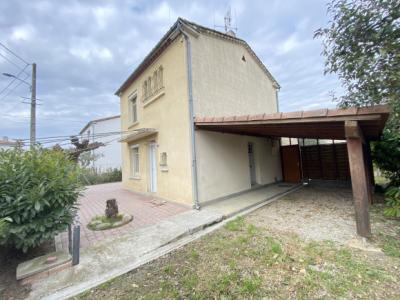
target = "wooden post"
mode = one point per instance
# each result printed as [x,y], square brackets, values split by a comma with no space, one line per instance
[359,179]
[370,170]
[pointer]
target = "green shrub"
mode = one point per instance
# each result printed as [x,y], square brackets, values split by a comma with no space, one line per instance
[38,191]
[3,225]
[386,154]
[393,201]
[93,176]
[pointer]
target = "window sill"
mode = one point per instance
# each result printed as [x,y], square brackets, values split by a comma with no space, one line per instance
[164,169]
[133,124]
[135,177]
[153,98]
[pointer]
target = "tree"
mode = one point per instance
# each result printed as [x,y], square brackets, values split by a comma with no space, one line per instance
[362,46]
[39,189]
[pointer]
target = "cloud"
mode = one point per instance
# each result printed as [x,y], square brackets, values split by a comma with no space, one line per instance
[22,33]
[84,50]
[289,44]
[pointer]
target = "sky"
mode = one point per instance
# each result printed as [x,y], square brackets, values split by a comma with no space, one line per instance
[84,50]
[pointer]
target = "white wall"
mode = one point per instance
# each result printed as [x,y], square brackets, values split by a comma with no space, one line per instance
[223,163]
[109,155]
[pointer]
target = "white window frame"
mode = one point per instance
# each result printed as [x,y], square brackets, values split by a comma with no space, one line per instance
[135,161]
[131,98]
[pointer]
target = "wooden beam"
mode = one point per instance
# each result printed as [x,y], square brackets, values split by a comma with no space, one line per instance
[288,121]
[359,180]
[353,131]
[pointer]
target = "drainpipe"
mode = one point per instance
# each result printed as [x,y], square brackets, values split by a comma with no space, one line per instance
[196,204]
[277,99]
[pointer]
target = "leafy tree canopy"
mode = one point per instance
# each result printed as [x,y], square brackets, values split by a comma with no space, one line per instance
[362,46]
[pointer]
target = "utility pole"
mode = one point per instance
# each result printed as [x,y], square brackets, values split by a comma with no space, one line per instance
[33,107]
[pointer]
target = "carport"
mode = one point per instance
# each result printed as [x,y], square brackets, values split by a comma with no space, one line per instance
[357,126]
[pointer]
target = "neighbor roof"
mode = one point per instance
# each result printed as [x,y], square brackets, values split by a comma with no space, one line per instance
[322,123]
[171,35]
[96,121]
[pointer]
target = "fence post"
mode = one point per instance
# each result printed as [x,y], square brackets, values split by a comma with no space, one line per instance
[69,239]
[76,245]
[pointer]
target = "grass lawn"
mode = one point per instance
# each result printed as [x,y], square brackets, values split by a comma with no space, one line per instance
[243,261]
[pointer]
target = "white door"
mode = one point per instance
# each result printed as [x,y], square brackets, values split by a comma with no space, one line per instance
[153,167]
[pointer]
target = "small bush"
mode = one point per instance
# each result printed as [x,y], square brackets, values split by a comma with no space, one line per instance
[393,201]
[93,176]
[38,191]
[3,225]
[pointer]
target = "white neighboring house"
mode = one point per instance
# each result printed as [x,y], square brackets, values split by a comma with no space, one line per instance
[108,156]
[5,143]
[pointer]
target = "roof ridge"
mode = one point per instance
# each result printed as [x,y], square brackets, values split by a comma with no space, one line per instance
[195,27]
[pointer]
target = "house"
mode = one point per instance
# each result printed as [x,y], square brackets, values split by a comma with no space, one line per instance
[160,100]
[6,143]
[104,130]
[203,123]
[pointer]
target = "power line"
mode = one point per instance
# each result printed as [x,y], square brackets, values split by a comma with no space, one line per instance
[12,81]
[13,89]
[77,135]
[15,54]
[11,62]
[95,137]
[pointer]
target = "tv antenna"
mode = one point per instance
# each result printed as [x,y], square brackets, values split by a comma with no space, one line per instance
[228,22]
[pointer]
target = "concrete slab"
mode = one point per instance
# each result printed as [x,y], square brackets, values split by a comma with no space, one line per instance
[40,264]
[113,257]
[236,204]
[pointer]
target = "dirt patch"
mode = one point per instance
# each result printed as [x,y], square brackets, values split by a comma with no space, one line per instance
[313,212]
[10,288]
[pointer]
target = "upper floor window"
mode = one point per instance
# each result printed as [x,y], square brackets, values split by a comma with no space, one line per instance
[153,84]
[133,108]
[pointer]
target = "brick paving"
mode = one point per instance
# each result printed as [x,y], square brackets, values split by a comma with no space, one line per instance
[146,210]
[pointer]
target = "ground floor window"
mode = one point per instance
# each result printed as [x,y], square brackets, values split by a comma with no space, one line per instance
[135,167]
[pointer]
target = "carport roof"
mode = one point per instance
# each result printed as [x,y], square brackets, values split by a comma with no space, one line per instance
[321,124]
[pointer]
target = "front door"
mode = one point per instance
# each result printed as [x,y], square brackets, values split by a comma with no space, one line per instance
[153,167]
[291,163]
[250,151]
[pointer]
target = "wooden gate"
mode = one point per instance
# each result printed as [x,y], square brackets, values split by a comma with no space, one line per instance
[291,163]
[326,162]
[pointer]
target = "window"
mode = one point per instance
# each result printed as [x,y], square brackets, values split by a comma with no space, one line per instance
[149,87]
[145,90]
[135,170]
[155,80]
[153,84]
[160,77]
[133,108]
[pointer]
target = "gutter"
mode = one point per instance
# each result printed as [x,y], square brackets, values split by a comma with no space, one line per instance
[196,204]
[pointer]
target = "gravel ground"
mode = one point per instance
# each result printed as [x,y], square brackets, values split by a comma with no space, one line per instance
[315,212]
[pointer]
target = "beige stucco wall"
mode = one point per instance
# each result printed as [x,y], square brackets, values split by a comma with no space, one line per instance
[223,84]
[223,163]
[169,115]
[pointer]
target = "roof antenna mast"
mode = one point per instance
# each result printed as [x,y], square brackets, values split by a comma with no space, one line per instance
[228,19]
[229,29]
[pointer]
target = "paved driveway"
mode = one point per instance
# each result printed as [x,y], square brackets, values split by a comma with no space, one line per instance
[146,210]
